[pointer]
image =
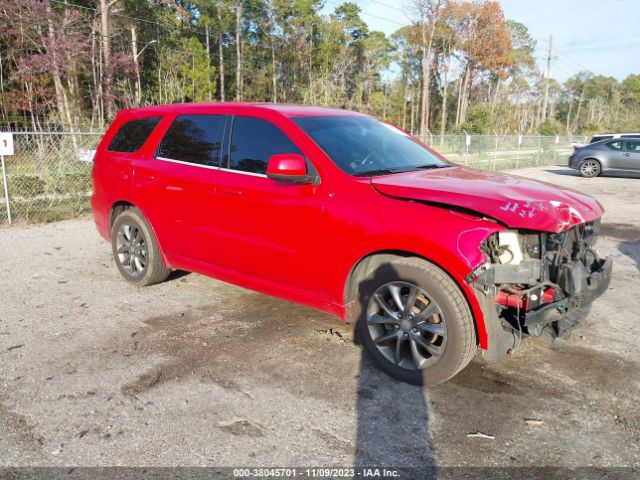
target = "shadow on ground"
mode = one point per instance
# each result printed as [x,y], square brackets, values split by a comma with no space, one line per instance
[629,238]
[569,172]
[393,425]
[393,419]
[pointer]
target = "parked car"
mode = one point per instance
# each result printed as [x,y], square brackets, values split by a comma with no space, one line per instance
[616,154]
[605,136]
[352,216]
[610,136]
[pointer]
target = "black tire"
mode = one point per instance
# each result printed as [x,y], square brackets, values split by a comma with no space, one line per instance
[590,168]
[458,343]
[152,266]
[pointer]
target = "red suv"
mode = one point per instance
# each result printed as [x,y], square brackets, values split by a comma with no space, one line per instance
[352,216]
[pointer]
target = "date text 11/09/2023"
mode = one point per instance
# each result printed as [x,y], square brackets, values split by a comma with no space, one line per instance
[363,472]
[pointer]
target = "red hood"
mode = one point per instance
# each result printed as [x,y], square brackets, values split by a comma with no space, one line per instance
[515,201]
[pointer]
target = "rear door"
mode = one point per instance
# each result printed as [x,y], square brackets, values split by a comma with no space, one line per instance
[179,186]
[113,166]
[268,229]
[631,155]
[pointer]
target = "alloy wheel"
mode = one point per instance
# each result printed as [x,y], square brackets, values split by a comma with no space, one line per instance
[406,325]
[131,249]
[589,168]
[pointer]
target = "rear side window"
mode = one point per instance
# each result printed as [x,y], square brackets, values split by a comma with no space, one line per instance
[617,145]
[253,141]
[133,134]
[194,139]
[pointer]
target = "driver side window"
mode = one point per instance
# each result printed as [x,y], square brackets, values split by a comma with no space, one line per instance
[254,141]
[633,146]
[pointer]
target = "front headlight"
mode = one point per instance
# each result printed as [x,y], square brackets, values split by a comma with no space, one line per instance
[510,252]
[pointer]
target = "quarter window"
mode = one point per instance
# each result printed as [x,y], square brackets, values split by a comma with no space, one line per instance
[255,140]
[194,139]
[133,134]
[617,145]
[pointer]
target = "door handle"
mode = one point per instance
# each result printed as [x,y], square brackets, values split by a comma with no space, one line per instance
[626,154]
[173,188]
[231,192]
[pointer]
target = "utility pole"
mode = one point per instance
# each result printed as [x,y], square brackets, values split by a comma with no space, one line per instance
[545,103]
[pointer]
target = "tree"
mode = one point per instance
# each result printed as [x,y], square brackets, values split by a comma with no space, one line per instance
[447,40]
[427,14]
[71,65]
[485,46]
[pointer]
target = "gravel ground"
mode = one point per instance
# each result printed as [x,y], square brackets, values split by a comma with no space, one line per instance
[195,372]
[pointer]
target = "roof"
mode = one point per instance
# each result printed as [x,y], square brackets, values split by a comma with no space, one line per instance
[613,134]
[288,110]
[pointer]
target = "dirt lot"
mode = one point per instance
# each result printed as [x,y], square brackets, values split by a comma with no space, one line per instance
[197,372]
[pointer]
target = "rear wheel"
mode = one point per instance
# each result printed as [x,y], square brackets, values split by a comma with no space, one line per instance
[590,168]
[415,322]
[135,249]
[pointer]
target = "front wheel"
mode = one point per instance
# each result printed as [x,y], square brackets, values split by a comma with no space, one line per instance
[136,251]
[414,322]
[590,168]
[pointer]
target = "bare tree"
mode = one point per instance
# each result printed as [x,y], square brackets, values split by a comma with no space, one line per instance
[105,41]
[239,52]
[426,14]
[221,48]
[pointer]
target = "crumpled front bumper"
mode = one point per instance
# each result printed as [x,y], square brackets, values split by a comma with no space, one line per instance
[561,315]
[569,311]
[600,278]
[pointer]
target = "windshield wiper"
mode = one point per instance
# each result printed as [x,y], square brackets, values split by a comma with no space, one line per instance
[430,166]
[379,171]
[387,171]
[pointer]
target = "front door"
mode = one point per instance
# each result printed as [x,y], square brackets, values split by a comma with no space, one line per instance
[631,155]
[268,229]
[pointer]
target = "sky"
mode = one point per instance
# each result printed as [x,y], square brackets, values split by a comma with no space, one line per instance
[601,36]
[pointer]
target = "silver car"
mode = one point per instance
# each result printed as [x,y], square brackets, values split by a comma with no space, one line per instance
[612,154]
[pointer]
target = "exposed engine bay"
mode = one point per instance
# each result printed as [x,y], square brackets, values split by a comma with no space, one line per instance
[540,282]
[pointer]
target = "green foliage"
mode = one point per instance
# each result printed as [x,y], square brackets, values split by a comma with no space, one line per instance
[548,127]
[479,119]
[294,51]
[631,91]
[196,71]
[78,182]
[592,127]
[26,185]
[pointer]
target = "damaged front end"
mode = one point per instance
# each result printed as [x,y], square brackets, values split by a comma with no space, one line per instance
[538,282]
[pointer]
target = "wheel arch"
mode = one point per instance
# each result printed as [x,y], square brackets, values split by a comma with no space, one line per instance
[120,206]
[372,260]
[116,209]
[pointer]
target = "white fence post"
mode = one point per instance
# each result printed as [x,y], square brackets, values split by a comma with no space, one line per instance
[519,148]
[495,156]
[6,189]
[6,148]
[467,141]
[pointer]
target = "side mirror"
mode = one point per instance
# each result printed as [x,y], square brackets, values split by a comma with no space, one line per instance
[288,167]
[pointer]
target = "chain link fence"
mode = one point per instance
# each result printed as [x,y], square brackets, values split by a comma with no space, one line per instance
[49,177]
[502,152]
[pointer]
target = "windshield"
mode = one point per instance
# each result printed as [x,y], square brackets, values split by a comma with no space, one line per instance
[364,146]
